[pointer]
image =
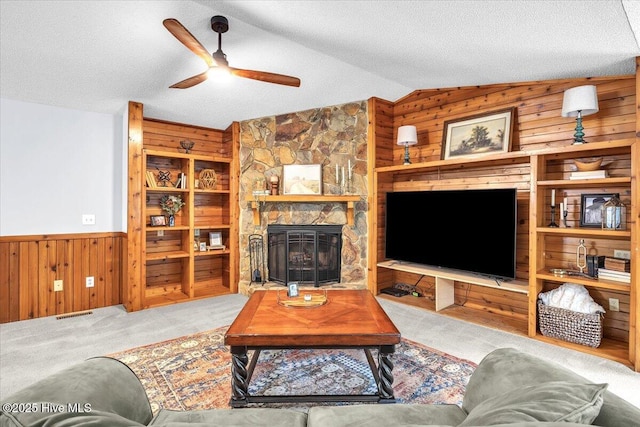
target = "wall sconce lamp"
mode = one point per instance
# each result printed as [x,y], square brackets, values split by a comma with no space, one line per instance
[407,135]
[579,101]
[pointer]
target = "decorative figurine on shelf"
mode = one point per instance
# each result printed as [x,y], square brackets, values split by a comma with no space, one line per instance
[164,177]
[187,145]
[581,256]
[207,179]
[273,181]
[171,205]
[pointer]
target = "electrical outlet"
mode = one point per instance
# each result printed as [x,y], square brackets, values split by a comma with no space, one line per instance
[619,253]
[614,304]
[89,281]
[160,233]
[57,286]
[88,219]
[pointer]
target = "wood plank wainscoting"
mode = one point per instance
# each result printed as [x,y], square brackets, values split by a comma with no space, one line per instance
[30,264]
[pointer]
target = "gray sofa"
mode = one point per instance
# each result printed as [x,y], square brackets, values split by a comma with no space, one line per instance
[509,388]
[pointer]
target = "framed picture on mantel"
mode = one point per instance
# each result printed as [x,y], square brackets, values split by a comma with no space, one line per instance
[302,179]
[479,135]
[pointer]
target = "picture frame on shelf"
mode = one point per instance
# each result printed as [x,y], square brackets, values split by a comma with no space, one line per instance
[158,221]
[478,135]
[215,239]
[591,208]
[292,289]
[302,179]
[203,246]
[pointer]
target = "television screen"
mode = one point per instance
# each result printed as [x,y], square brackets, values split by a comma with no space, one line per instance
[470,230]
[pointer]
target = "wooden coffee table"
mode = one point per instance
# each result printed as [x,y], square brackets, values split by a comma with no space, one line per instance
[351,319]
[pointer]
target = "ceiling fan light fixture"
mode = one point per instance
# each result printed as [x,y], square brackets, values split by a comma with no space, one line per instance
[217,61]
[219,73]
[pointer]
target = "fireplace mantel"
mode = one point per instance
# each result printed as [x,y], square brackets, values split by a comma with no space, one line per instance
[350,200]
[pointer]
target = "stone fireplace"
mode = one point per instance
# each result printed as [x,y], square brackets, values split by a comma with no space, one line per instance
[304,253]
[334,137]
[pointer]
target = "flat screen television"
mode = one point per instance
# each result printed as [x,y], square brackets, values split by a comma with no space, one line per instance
[469,230]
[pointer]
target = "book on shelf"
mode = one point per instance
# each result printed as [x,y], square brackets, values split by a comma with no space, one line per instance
[614,272]
[182,181]
[151,180]
[617,276]
[589,174]
[617,264]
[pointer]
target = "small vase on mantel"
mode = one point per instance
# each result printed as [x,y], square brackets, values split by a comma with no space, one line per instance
[172,220]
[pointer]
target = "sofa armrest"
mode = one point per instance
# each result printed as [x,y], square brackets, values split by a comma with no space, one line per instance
[100,385]
[507,369]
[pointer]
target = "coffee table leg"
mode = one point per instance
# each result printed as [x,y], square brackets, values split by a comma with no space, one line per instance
[385,374]
[239,377]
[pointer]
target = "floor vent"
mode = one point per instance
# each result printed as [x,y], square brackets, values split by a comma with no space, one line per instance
[76,314]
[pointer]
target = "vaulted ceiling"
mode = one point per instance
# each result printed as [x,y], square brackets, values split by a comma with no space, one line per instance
[97,55]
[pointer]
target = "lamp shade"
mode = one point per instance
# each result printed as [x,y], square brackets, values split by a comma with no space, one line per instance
[407,135]
[583,99]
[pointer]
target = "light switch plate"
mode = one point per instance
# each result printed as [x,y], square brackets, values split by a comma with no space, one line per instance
[614,304]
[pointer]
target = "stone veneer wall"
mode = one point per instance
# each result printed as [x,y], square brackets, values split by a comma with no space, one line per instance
[329,136]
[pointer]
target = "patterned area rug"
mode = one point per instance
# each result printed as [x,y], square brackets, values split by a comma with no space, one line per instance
[194,372]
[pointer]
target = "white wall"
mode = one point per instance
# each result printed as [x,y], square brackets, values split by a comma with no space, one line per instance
[57,164]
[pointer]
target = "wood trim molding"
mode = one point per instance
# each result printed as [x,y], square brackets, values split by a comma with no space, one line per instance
[66,236]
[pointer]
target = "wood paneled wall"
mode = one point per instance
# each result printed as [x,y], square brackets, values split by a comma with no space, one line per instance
[30,264]
[380,153]
[166,136]
[538,119]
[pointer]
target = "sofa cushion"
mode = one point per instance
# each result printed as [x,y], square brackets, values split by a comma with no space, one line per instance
[97,385]
[385,415]
[550,401]
[507,369]
[230,417]
[539,424]
[67,418]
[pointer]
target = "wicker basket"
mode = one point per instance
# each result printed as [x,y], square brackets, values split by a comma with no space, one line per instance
[567,325]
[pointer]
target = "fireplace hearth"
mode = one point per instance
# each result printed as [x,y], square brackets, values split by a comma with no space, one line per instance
[304,253]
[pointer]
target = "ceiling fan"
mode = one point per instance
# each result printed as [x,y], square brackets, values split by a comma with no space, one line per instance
[218,60]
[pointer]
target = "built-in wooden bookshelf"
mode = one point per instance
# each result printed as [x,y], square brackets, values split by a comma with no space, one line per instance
[166,263]
[540,160]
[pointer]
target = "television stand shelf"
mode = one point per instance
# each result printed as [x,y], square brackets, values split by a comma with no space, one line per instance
[445,278]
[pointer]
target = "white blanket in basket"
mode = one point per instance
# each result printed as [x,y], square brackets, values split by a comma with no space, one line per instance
[571,296]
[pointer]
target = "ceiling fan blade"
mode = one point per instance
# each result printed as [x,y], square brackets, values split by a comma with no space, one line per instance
[264,76]
[186,38]
[191,81]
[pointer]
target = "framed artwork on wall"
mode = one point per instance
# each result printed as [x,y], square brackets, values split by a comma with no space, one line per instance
[479,135]
[302,179]
[591,208]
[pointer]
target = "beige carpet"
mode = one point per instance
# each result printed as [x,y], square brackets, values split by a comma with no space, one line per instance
[33,349]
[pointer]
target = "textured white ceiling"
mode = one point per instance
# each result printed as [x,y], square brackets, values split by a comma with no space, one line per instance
[97,55]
